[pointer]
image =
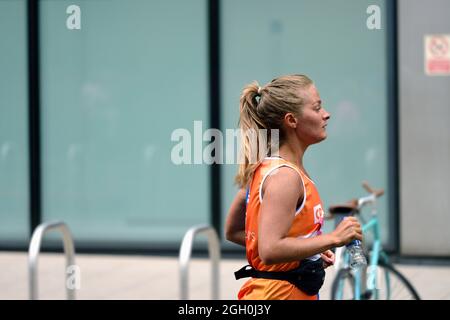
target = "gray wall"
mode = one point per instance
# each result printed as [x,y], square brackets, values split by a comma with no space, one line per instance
[424,133]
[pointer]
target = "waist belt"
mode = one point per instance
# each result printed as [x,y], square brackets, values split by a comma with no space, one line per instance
[308,276]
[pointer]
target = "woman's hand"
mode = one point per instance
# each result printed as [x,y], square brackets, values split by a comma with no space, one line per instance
[348,230]
[328,258]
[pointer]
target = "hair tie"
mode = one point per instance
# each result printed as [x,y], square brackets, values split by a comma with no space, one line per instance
[259,90]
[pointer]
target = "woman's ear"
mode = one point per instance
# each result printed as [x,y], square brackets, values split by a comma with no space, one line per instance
[290,121]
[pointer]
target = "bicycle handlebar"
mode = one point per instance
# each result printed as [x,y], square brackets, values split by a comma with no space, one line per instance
[356,204]
[369,189]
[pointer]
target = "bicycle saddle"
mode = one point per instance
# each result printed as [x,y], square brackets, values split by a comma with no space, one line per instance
[350,206]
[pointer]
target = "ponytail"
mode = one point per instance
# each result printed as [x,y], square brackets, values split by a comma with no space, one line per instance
[250,125]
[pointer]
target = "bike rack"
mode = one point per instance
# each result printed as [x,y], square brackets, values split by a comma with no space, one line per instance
[185,257]
[34,250]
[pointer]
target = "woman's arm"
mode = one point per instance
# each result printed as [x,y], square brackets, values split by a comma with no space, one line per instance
[235,225]
[281,192]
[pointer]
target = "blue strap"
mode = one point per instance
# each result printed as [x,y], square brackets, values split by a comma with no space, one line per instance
[246,196]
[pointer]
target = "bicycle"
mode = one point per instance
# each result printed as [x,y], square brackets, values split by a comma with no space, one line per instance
[380,280]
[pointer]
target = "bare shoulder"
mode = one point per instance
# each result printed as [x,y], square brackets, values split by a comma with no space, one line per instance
[284,182]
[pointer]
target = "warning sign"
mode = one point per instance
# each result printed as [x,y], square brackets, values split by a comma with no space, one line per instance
[437,55]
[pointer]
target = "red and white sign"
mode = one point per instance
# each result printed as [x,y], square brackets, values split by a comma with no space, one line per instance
[437,55]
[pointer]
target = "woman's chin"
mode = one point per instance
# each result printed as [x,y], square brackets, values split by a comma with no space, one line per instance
[322,137]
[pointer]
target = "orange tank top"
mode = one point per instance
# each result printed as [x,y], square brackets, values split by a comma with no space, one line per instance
[307,223]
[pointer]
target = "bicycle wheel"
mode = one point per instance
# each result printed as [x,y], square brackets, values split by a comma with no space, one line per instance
[392,285]
[343,286]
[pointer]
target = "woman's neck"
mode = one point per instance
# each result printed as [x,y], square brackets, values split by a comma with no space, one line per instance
[292,153]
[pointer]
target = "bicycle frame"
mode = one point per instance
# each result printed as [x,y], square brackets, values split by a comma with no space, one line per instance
[365,280]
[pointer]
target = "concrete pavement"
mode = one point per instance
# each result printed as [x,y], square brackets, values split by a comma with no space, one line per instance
[157,278]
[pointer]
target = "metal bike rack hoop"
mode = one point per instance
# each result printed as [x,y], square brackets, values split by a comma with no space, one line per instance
[185,257]
[35,247]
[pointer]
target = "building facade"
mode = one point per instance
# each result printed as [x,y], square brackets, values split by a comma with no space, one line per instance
[97,97]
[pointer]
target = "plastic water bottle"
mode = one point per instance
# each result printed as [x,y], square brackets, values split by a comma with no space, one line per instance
[357,257]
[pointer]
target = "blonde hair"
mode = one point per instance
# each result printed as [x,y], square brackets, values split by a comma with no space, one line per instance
[265,108]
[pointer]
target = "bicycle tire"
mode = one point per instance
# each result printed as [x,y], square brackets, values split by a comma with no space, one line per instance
[400,287]
[345,279]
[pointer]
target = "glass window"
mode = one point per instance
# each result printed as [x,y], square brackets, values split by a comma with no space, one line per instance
[330,42]
[113,92]
[14,200]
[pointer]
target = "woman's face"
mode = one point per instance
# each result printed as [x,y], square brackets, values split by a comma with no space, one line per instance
[313,118]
